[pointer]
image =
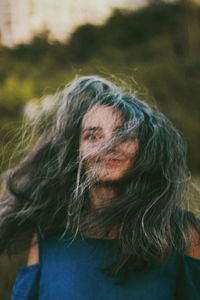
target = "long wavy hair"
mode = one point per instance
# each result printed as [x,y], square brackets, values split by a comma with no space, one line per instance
[47,191]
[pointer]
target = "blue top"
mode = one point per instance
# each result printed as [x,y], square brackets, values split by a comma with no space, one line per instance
[69,270]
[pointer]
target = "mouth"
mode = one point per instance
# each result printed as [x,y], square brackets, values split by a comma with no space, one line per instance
[112,162]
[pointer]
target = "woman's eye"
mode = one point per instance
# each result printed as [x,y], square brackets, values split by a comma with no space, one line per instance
[91,137]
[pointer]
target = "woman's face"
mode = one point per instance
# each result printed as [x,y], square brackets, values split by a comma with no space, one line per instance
[99,125]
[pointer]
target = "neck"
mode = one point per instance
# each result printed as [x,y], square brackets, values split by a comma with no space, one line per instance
[99,194]
[102,192]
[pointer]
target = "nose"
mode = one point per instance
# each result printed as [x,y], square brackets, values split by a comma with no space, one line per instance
[110,146]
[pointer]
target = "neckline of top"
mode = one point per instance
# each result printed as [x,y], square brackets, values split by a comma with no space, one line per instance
[82,237]
[89,238]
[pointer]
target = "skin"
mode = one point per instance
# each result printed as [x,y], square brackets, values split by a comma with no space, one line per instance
[98,127]
[105,166]
[33,255]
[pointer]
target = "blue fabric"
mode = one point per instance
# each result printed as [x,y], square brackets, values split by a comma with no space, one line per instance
[69,270]
[27,283]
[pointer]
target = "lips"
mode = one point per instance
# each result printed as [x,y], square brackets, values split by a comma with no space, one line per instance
[112,161]
[117,158]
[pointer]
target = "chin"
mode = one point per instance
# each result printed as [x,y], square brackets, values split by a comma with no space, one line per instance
[110,177]
[106,175]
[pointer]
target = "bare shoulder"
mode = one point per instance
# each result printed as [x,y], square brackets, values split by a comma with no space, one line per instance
[194,250]
[33,255]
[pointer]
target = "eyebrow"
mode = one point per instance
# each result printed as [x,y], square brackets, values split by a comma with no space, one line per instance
[98,128]
[92,129]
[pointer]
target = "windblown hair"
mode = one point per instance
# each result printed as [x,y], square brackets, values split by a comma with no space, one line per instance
[48,190]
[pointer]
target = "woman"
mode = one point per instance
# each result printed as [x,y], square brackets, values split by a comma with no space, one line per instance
[103,189]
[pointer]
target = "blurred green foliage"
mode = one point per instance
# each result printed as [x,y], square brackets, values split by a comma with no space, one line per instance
[155,50]
[157,46]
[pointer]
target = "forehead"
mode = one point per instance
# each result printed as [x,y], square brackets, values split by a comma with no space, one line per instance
[102,115]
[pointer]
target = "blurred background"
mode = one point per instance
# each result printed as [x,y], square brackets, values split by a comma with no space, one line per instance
[153,46]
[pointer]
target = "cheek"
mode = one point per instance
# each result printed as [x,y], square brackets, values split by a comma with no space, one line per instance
[129,149]
[89,155]
[88,151]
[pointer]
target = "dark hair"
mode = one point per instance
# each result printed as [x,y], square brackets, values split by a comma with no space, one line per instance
[47,191]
